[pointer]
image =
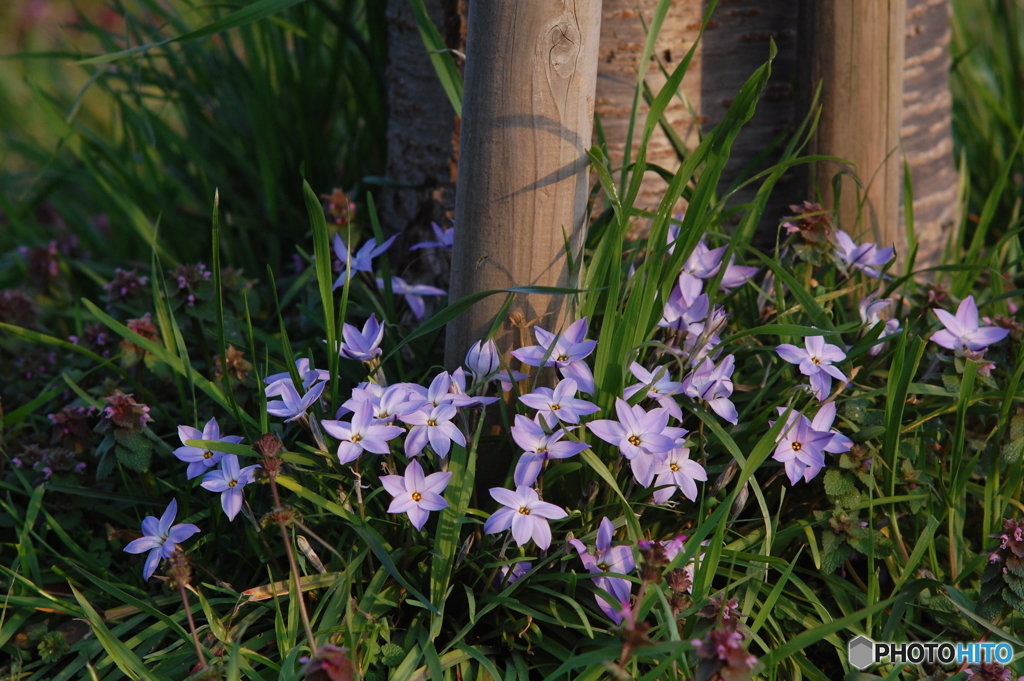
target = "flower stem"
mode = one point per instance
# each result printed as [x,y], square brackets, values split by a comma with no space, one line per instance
[292,565]
[192,625]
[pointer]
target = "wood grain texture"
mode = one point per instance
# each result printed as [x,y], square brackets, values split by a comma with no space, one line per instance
[855,48]
[522,175]
[927,125]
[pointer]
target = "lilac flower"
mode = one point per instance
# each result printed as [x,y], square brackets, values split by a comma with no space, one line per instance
[291,406]
[440,392]
[713,385]
[539,446]
[363,433]
[228,481]
[869,309]
[822,422]
[308,374]
[525,513]
[519,570]
[638,434]
[815,360]
[458,389]
[161,538]
[415,494]
[432,425]
[508,377]
[413,294]
[482,360]
[362,345]
[608,558]
[199,459]
[362,260]
[566,351]
[677,471]
[962,331]
[801,448]
[387,402]
[658,387]
[559,404]
[686,304]
[445,239]
[736,275]
[866,257]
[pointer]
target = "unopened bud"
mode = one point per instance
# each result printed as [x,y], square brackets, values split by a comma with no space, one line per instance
[482,359]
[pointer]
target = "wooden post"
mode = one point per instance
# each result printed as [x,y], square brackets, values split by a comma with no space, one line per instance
[522,178]
[855,49]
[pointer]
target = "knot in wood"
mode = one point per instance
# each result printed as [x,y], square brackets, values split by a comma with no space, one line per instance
[565,46]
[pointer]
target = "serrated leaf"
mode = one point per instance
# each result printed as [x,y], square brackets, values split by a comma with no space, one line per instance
[831,561]
[837,484]
[830,541]
[136,442]
[1012,450]
[1013,600]
[132,460]
[1015,565]
[951,383]
[1015,583]
[1017,426]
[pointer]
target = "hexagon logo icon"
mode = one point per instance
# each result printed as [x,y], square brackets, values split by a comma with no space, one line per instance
[861,652]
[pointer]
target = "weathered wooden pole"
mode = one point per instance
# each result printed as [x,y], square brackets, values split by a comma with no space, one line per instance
[855,49]
[527,116]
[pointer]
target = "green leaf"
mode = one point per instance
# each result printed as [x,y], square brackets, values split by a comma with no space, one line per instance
[261,9]
[837,484]
[123,656]
[440,56]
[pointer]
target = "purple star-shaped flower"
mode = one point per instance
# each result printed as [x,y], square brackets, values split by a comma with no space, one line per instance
[308,374]
[713,385]
[458,389]
[291,406]
[161,538]
[519,570]
[413,294]
[362,345]
[870,309]
[415,494]
[801,448]
[658,386]
[866,257]
[566,352]
[675,471]
[362,261]
[229,481]
[822,422]
[525,513]
[559,404]
[445,238]
[363,433]
[815,360]
[638,434]
[962,331]
[432,425]
[200,459]
[538,447]
[608,559]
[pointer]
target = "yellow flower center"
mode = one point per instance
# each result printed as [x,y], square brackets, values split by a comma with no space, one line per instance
[524,510]
[603,567]
[207,454]
[431,423]
[416,496]
[555,407]
[674,468]
[634,440]
[797,446]
[815,360]
[357,438]
[232,483]
[562,358]
[654,390]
